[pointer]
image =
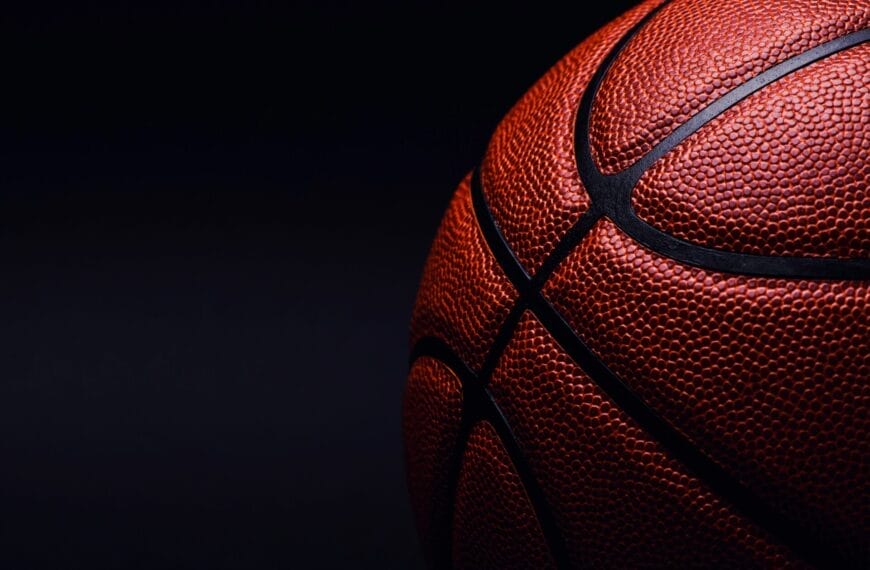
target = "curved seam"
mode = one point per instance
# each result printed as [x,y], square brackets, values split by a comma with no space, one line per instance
[479,404]
[508,262]
[612,193]
[705,468]
[607,199]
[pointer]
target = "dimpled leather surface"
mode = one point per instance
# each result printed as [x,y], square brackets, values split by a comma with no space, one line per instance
[679,391]
[464,296]
[495,526]
[529,170]
[610,485]
[432,412]
[695,51]
[785,172]
[768,376]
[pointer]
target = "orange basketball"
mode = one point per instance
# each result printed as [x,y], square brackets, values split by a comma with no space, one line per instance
[641,337]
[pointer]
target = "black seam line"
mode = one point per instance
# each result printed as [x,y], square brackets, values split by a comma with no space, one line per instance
[741,92]
[605,197]
[576,233]
[524,285]
[602,203]
[505,256]
[441,522]
[612,193]
[502,338]
[802,542]
[479,404]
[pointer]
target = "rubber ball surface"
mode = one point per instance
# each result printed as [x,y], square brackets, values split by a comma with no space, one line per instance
[641,336]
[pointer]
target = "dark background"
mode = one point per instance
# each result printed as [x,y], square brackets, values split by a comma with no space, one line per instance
[213,217]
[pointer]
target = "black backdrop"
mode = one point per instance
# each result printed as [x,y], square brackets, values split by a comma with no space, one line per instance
[213,217]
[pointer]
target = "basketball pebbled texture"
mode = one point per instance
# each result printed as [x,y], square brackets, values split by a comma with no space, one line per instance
[641,338]
[494,524]
[770,379]
[536,206]
[463,296]
[431,420]
[799,189]
[691,54]
[601,471]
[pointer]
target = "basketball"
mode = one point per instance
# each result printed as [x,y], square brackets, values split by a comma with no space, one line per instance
[640,337]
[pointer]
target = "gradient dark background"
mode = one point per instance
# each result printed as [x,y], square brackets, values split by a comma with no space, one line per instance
[213,218]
